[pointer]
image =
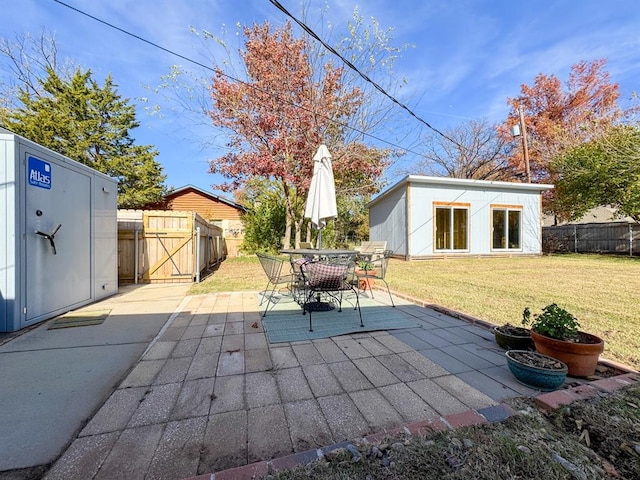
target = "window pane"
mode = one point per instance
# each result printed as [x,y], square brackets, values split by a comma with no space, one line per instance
[460,229]
[514,229]
[443,228]
[499,231]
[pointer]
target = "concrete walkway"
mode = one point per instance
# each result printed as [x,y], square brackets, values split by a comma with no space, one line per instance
[52,381]
[196,387]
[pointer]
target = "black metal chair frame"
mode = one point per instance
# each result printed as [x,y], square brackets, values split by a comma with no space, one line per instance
[272,267]
[379,266]
[297,283]
[331,278]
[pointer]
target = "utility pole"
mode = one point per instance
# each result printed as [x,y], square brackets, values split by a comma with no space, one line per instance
[519,130]
[525,147]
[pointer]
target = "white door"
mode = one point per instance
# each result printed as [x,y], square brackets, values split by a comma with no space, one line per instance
[57,235]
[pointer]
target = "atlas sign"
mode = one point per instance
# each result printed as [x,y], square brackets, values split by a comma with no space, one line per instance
[39,173]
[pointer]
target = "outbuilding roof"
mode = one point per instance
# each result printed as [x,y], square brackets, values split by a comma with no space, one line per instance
[461,182]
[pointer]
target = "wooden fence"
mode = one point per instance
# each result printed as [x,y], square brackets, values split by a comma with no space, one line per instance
[158,246]
[621,238]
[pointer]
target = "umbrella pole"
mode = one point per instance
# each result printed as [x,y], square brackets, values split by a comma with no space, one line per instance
[319,238]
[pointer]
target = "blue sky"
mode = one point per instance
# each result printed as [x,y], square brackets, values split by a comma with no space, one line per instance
[467,57]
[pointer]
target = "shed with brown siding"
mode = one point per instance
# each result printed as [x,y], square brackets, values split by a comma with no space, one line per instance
[218,210]
[208,205]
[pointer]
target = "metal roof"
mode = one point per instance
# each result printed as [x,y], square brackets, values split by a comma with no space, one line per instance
[462,182]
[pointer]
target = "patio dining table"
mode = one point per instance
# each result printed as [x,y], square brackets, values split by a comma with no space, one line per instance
[318,254]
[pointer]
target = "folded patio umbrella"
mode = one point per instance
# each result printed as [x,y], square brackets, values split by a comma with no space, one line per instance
[321,202]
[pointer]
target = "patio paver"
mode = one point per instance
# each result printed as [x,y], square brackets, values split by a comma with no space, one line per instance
[212,394]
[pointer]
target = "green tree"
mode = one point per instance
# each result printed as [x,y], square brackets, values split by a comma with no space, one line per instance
[603,171]
[265,221]
[277,118]
[90,123]
[275,99]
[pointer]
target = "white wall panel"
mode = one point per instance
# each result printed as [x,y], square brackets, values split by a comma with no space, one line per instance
[479,196]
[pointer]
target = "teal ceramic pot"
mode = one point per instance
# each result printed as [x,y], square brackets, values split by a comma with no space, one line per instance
[547,378]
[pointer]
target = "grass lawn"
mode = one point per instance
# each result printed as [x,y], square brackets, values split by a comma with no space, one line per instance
[603,292]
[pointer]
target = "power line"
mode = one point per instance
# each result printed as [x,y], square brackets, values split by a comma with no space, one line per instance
[237,80]
[307,29]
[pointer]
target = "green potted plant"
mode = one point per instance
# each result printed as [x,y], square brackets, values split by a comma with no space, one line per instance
[556,333]
[511,337]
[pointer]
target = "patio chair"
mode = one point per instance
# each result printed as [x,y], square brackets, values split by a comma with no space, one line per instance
[272,267]
[376,270]
[297,281]
[330,278]
[371,250]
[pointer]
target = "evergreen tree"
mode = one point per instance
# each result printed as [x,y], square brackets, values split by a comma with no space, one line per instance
[91,123]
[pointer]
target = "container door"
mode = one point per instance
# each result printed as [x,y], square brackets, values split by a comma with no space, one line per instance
[58,234]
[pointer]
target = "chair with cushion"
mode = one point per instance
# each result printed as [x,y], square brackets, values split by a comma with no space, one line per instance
[329,278]
[375,270]
[297,282]
[277,275]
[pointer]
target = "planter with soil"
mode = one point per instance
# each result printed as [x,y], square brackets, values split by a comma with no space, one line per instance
[536,370]
[365,282]
[581,355]
[555,333]
[509,337]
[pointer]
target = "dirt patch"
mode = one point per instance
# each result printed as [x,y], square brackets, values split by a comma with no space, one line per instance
[609,426]
[533,444]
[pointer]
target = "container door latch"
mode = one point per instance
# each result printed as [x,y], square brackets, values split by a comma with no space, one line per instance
[50,236]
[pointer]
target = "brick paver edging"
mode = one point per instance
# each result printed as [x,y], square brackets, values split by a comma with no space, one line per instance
[559,398]
[493,414]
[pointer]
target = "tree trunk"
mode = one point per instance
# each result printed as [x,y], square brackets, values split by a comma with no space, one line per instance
[299,231]
[286,241]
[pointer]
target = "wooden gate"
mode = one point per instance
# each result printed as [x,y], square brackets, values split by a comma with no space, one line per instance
[166,246]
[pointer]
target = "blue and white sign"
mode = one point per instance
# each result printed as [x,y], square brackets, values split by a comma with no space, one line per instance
[39,173]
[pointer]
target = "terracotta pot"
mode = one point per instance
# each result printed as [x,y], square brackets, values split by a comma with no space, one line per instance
[365,283]
[513,342]
[581,358]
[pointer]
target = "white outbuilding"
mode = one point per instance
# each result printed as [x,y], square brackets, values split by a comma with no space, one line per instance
[430,217]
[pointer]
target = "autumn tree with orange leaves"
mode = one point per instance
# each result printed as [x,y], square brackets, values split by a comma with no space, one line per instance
[558,117]
[278,116]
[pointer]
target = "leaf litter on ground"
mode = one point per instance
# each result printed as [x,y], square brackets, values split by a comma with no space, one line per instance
[588,440]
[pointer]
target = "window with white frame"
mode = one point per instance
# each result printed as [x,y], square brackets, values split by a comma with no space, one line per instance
[451,227]
[506,227]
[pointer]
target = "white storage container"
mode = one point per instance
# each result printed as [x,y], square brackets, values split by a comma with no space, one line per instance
[58,236]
